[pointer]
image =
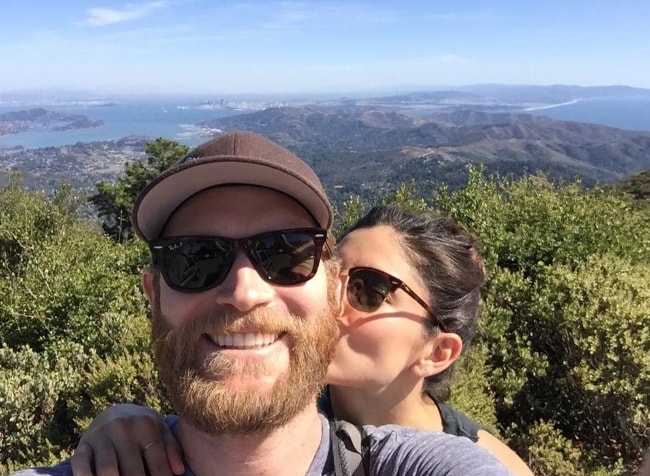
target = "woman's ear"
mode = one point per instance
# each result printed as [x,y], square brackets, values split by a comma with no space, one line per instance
[439,353]
[146,281]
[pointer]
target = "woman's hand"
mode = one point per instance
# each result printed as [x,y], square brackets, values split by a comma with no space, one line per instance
[128,440]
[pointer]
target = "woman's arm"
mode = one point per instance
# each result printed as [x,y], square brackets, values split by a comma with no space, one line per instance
[503,453]
[128,440]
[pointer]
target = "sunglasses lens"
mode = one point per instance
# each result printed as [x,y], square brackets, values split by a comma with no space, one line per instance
[367,289]
[280,257]
[286,257]
[196,264]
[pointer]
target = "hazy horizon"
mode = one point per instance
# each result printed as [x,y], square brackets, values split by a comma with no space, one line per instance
[323,47]
[46,96]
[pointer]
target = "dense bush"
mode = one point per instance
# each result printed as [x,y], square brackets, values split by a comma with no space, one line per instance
[566,321]
[73,332]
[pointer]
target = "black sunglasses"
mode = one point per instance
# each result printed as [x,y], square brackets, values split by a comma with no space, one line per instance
[368,288]
[196,263]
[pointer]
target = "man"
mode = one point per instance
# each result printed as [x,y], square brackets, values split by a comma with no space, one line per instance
[241,326]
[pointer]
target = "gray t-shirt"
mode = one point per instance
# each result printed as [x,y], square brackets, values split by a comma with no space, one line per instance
[394,451]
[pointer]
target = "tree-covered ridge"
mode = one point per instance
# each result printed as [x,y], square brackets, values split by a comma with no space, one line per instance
[450,136]
[359,150]
[561,367]
[638,186]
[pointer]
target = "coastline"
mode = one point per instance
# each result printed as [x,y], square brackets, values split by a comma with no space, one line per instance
[550,106]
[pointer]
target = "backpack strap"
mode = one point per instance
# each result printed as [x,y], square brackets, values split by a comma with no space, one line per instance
[349,447]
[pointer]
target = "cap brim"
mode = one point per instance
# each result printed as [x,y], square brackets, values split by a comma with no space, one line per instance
[166,193]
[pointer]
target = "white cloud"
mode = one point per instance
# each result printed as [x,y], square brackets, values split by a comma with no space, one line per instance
[130,12]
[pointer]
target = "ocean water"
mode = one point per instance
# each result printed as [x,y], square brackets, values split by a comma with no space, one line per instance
[631,113]
[170,118]
[176,118]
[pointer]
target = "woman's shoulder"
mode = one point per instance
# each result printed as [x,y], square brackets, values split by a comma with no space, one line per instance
[457,423]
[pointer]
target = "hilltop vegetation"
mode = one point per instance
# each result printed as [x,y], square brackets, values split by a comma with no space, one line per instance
[561,367]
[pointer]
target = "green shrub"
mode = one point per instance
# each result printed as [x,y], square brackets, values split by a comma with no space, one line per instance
[566,320]
[72,329]
[33,390]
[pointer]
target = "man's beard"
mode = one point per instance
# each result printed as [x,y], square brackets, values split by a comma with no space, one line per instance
[200,392]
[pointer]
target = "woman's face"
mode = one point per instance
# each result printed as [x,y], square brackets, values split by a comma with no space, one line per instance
[379,347]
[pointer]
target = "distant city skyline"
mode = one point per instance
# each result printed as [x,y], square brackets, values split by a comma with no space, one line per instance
[319,47]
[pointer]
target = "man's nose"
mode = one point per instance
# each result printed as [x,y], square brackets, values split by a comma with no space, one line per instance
[243,287]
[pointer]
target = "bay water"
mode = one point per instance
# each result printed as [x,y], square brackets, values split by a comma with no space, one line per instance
[174,119]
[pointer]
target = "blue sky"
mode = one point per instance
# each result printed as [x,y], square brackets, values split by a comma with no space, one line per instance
[260,46]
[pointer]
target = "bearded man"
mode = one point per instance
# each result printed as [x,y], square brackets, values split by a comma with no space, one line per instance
[243,288]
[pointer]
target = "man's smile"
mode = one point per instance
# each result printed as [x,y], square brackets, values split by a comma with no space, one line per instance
[244,340]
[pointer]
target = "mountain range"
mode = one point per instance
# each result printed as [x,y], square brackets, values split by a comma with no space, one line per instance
[356,148]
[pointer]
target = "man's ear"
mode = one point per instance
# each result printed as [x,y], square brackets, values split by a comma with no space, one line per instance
[340,295]
[146,281]
[336,285]
[439,353]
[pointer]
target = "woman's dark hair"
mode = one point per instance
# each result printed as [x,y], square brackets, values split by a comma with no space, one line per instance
[451,265]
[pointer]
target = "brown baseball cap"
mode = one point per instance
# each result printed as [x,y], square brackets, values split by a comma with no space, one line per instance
[234,158]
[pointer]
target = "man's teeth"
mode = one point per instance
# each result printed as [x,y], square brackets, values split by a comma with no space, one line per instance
[241,340]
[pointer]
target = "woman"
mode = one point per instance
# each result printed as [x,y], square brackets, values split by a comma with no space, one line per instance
[398,344]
